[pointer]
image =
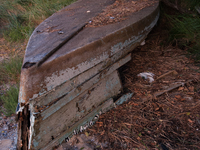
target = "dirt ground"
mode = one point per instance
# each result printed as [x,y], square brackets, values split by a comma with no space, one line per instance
[162,115]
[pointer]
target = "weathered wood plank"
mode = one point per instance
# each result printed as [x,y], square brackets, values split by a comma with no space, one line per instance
[88,120]
[51,126]
[68,20]
[84,122]
[110,104]
[101,44]
[79,84]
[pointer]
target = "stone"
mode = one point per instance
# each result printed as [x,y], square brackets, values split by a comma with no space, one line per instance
[5,144]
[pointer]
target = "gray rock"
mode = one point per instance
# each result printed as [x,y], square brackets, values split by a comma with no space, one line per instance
[5,144]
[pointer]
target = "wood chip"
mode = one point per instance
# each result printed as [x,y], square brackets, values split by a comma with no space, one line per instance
[191,88]
[190,121]
[190,93]
[180,88]
[178,96]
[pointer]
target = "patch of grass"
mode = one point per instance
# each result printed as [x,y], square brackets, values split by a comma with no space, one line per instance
[18,32]
[10,100]
[20,17]
[10,69]
[186,32]
[185,28]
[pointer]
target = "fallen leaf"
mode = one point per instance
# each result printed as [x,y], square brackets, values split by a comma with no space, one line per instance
[190,121]
[100,117]
[138,138]
[102,133]
[135,104]
[127,124]
[149,132]
[92,130]
[178,96]
[153,144]
[87,134]
[100,124]
[191,88]
[154,105]
[188,113]
[190,93]
[180,88]
[175,72]
[186,68]
[182,99]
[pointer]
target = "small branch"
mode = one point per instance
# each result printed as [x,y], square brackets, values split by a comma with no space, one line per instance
[166,74]
[171,87]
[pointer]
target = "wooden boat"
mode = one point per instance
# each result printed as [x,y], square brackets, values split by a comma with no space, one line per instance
[69,74]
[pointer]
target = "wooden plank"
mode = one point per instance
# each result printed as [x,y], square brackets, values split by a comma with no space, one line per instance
[47,127]
[77,85]
[108,106]
[83,123]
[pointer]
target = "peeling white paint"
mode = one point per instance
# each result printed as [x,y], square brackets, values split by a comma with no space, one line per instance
[32,122]
[20,109]
[64,75]
[120,46]
[21,94]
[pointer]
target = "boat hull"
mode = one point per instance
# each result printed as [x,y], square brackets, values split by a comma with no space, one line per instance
[65,87]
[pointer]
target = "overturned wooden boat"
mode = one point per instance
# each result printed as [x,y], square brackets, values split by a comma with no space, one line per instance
[69,74]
